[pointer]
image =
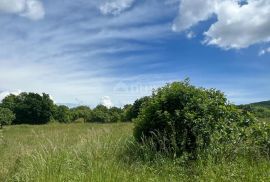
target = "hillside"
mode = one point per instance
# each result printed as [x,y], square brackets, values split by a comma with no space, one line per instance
[261,104]
[259,109]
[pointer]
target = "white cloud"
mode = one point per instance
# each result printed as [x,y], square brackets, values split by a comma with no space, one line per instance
[115,7]
[7,93]
[106,101]
[190,35]
[12,6]
[237,26]
[32,9]
[192,12]
[54,58]
[264,51]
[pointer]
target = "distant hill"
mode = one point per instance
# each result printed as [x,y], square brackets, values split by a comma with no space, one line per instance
[259,109]
[261,104]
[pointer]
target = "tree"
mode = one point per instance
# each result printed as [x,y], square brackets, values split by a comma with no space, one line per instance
[9,102]
[62,114]
[6,117]
[115,114]
[126,113]
[133,111]
[30,108]
[81,112]
[100,114]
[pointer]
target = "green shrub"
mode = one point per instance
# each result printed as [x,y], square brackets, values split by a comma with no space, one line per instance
[61,114]
[100,114]
[183,118]
[81,112]
[6,117]
[259,137]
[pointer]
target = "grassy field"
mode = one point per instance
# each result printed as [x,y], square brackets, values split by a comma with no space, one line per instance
[96,152]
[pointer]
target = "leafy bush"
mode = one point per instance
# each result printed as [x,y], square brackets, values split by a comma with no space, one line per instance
[81,113]
[62,114]
[183,118]
[100,114]
[115,114]
[6,117]
[259,137]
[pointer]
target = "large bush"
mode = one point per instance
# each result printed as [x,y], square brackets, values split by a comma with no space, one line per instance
[259,137]
[182,118]
[6,117]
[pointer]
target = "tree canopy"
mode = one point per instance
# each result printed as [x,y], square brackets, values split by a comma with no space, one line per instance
[30,108]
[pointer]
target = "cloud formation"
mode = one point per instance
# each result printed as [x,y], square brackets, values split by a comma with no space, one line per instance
[264,51]
[78,55]
[239,24]
[115,7]
[32,9]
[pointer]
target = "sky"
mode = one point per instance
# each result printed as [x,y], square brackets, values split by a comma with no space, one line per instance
[87,52]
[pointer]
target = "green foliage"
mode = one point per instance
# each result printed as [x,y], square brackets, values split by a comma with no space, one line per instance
[260,111]
[81,113]
[132,111]
[30,108]
[125,116]
[100,114]
[265,104]
[62,114]
[259,137]
[115,114]
[9,102]
[94,152]
[6,117]
[183,118]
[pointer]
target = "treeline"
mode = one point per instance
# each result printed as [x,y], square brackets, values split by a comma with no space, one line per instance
[33,108]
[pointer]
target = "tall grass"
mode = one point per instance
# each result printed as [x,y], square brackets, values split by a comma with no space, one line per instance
[108,152]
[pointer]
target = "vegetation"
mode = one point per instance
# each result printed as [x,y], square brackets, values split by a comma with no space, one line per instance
[132,111]
[108,152]
[80,113]
[6,117]
[186,119]
[262,104]
[33,108]
[62,114]
[260,109]
[30,108]
[180,132]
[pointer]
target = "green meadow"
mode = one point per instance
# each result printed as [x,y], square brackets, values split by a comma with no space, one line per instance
[107,152]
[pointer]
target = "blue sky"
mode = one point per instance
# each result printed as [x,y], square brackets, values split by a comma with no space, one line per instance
[115,51]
